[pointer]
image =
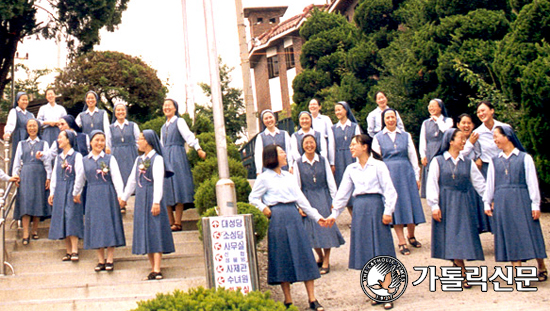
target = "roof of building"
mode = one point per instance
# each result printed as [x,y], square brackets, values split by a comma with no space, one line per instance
[263,41]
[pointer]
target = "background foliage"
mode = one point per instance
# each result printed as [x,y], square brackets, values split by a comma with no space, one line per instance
[462,51]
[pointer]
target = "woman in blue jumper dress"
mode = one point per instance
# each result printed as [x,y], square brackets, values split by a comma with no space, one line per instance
[35,173]
[343,131]
[472,151]
[67,216]
[512,198]
[278,196]
[398,153]
[368,180]
[152,234]
[178,189]
[297,150]
[270,136]
[124,136]
[16,123]
[450,185]
[93,118]
[431,133]
[103,221]
[315,179]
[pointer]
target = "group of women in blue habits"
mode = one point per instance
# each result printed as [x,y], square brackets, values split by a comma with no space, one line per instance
[305,128]
[178,189]
[374,118]
[323,125]
[152,234]
[399,154]
[277,195]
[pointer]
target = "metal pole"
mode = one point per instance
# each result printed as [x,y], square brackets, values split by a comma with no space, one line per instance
[189,97]
[225,188]
[13,80]
[251,119]
[2,234]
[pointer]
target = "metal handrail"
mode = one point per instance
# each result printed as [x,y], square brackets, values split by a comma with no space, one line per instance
[5,210]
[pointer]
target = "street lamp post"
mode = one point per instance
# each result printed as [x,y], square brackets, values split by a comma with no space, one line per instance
[225,188]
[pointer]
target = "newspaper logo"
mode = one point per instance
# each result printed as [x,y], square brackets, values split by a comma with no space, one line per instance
[384,279]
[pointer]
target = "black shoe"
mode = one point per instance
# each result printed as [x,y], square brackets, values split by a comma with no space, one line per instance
[100,267]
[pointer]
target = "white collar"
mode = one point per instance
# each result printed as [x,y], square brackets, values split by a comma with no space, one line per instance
[347,123]
[91,112]
[495,124]
[70,152]
[91,155]
[306,160]
[274,174]
[21,110]
[172,119]
[267,132]
[441,117]
[514,152]
[33,140]
[121,125]
[311,131]
[370,162]
[397,130]
[448,155]
[148,155]
[49,105]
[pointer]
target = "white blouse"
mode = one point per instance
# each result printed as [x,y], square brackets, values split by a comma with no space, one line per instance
[489,149]
[323,125]
[432,183]
[11,122]
[78,168]
[530,179]
[158,178]
[271,188]
[114,170]
[106,124]
[371,179]
[19,154]
[51,113]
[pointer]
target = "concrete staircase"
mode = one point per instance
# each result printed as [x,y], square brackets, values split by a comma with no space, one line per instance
[43,282]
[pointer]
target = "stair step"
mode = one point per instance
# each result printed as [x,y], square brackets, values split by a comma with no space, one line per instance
[122,296]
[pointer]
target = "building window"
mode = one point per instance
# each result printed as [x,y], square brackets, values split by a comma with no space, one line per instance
[272,20]
[289,57]
[259,20]
[273,66]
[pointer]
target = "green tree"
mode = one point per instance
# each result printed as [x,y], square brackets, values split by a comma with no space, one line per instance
[78,20]
[114,76]
[233,105]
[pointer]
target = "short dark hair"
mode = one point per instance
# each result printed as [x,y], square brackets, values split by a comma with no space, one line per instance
[270,157]
[465,115]
[486,103]
[376,94]
[304,139]
[365,139]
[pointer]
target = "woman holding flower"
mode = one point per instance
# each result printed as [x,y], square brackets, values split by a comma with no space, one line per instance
[152,233]
[67,216]
[103,222]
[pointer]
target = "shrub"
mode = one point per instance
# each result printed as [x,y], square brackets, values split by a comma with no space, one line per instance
[205,196]
[153,124]
[260,222]
[208,168]
[208,144]
[199,298]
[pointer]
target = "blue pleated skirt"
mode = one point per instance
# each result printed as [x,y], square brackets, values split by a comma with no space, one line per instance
[517,235]
[290,258]
[321,237]
[369,236]
[408,208]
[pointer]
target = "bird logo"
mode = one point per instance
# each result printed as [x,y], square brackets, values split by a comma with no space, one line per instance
[384,279]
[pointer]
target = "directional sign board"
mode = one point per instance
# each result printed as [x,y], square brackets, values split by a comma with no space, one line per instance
[230,252]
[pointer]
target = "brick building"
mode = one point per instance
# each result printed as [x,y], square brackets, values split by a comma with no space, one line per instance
[276,48]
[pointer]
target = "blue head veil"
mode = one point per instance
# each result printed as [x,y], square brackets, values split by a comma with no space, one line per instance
[153,141]
[442,106]
[349,114]
[508,131]
[17,97]
[96,100]
[384,114]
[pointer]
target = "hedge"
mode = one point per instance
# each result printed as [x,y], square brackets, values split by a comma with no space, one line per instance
[205,196]
[201,299]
